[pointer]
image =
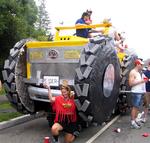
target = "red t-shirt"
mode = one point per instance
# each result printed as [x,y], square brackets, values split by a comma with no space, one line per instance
[64,109]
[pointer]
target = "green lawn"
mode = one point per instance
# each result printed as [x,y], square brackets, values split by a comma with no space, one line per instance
[8,116]
[5,105]
[4,116]
[2,91]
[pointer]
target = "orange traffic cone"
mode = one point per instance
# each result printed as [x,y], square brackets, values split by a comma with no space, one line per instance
[46,140]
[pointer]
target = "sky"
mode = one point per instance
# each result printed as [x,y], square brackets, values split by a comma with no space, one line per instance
[130,16]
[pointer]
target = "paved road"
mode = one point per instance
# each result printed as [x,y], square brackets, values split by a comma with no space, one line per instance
[34,132]
[127,135]
[30,132]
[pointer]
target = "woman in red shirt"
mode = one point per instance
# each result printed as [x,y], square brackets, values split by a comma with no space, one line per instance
[66,116]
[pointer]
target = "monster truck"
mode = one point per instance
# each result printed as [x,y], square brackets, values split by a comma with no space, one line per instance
[92,68]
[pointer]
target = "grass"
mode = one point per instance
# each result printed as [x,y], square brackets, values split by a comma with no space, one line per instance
[5,105]
[2,91]
[8,116]
[5,116]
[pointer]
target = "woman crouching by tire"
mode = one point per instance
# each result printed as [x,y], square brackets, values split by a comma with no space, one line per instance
[66,117]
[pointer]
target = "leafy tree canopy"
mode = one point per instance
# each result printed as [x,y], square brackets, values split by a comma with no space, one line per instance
[17,18]
[20,19]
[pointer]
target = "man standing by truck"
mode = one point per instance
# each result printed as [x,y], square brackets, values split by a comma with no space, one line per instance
[137,84]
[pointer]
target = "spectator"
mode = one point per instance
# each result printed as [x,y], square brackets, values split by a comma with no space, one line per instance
[147,95]
[66,118]
[137,85]
[143,114]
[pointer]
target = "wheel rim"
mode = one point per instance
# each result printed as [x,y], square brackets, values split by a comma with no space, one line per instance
[108,82]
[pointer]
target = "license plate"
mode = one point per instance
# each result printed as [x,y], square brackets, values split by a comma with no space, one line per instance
[52,80]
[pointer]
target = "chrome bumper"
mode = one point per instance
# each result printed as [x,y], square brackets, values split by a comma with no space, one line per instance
[41,94]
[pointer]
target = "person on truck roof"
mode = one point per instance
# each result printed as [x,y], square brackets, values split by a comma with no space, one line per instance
[84,20]
[120,44]
[66,117]
[112,32]
[89,21]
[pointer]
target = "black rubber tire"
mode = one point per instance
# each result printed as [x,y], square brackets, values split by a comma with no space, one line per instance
[13,74]
[124,100]
[98,54]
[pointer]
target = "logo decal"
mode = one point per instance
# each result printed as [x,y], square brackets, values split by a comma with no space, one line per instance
[53,54]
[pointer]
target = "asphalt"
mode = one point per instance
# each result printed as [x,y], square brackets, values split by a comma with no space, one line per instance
[18,120]
[34,131]
[126,135]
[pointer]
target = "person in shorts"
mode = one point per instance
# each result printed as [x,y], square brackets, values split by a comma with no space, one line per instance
[137,84]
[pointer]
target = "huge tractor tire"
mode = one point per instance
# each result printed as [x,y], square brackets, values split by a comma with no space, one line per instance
[13,74]
[97,81]
[124,100]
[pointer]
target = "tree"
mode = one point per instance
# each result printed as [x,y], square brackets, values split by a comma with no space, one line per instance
[43,24]
[17,18]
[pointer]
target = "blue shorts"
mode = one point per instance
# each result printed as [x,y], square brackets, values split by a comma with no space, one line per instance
[136,100]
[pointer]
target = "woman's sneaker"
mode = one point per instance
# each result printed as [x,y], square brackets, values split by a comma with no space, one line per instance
[143,120]
[134,125]
[139,122]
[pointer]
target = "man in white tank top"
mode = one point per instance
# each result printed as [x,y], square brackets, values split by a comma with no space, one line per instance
[137,84]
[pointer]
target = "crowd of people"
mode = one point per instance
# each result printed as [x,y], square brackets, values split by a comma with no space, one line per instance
[88,32]
[140,91]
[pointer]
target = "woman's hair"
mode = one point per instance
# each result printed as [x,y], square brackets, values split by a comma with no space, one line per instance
[67,88]
[84,14]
